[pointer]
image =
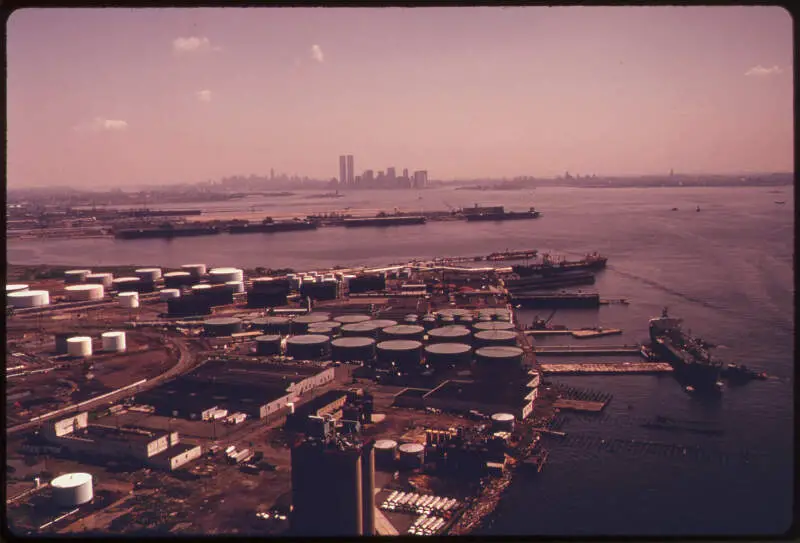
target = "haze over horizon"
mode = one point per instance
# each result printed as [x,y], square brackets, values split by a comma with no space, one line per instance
[120,97]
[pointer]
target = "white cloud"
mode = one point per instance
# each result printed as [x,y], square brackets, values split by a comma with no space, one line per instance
[99,124]
[760,71]
[316,53]
[203,95]
[192,44]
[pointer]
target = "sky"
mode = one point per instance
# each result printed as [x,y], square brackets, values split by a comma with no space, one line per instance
[110,98]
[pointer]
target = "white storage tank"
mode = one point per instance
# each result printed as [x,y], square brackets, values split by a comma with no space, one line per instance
[72,489]
[236,286]
[86,292]
[224,275]
[200,289]
[385,454]
[197,270]
[148,275]
[169,294]
[412,455]
[128,300]
[114,341]
[503,422]
[15,288]
[76,276]
[29,298]
[104,278]
[178,279]
[79,346]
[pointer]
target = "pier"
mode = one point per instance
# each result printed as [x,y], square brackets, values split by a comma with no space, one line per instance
[579,405]
[599,351]
[600,368]
[578,334]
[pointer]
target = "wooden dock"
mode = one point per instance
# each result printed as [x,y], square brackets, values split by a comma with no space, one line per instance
[579,405]
[567,350]
[599,368]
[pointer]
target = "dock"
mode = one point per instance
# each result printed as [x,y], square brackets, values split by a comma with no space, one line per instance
[599,368]
[578,334]
[579,405]
[567,350]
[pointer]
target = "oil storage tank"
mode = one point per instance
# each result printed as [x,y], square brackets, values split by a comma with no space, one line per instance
[352,319]
[28,298]
[503,422]
[188,306]
[128,300]
[16,288]
[386,454]
[178,279]
[301,323]
[499,357]
[72,489]
[197,271]
[273,325]
[272,285]
[360,329]
[76,276]
[450,334]
[353,349]
[308,346]
[222,326]
[148,275]
[366,283]
[325,290]
[113,341]
[223,275]
[402,331]
[488,338]
[84,293]
[404,353]
[236,286]
[79,346]
[325,328]
[219,294]
[411,455]
[103,278]
[493,325]
[445,355]
[268,345]
[126,284]
[429,322]
[61,341]
[169,294]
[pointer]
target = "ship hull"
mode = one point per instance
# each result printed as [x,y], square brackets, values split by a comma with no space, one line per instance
[551,269]
[271,228]
[503,216]
[381,221]
[700,376]
[165,233]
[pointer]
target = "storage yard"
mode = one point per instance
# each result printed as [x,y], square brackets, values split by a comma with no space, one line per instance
[148,400]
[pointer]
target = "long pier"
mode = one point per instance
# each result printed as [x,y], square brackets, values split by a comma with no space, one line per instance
[608,368]
[600,351]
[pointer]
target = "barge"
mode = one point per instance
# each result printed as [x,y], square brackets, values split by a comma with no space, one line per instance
[166,232]
[566,279]
[269,226]
[384,221]
[503,215]
[590,262]
[567,299]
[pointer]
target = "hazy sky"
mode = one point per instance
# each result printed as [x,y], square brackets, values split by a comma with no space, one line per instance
[115,97]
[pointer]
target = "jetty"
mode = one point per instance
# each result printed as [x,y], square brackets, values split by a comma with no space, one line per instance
[565,404]
[578,334]
[600,368]
[568,350]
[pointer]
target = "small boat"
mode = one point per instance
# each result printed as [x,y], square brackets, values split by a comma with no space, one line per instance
[698,208]
[689,389]
[674,209]
[780,202]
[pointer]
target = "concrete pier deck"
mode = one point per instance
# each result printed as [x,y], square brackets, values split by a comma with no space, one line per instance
[567,350]
[599,368]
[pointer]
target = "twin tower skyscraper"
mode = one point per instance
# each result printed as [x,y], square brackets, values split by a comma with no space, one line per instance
[347,176]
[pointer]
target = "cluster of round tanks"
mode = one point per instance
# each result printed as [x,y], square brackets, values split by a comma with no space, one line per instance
[300,324]
[403,352]
[325,328]
[85,292]
[79,346]
[128,300]
[113,341]
[225,275]
[403,331]
[104,279]
[450,334]
[223,326]
[76,276]
[308,346]
[448,354]
[72,489]
[495,313]
[268,345]
[351,349]
[489,338]
[28,298]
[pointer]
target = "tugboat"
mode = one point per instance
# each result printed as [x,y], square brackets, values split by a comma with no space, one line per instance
[741,373]
[693,364]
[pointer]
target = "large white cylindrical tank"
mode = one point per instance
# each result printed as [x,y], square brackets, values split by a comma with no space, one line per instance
[148,275]
[236,286]
[412,455]
[28,298]
[168,294]
[76,276]
[197,270]
[114,341]
[128,300]
[16,288]
[104,278]
[86,292]
[503,422]
[200,289]
[79,346]
[72,489]
[224,275]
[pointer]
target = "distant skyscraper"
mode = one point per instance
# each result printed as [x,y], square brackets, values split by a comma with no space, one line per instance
[420,179]
[351,175]
[272,173]
[390,173]
[342,170]
[405,173]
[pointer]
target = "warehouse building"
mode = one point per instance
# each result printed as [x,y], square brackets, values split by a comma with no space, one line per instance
[329,403]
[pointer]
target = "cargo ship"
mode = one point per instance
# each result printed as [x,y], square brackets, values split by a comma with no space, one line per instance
[384,221]
[165,232]
[692,362]
[591,262]
[564,299]
[502,215]
[566,279]
[269,226]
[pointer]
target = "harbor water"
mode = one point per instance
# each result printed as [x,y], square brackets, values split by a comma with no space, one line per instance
[726,270]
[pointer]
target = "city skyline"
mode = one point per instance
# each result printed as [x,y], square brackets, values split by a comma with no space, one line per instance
[116,97]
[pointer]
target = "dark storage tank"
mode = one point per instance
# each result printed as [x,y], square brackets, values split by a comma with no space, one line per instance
[273,325]
[188,306]
[402,331]
[178,279]
[444,355]
[489,338]
[405,353]
[325,328]
[453,333]
[353,349]
[223,326]
[494,325]
[61,341]
[352,319]
[300,324]
[360,329]
[268,345]
[308,347]
[499,357]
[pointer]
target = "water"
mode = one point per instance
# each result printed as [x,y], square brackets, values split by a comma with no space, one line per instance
[728,271]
